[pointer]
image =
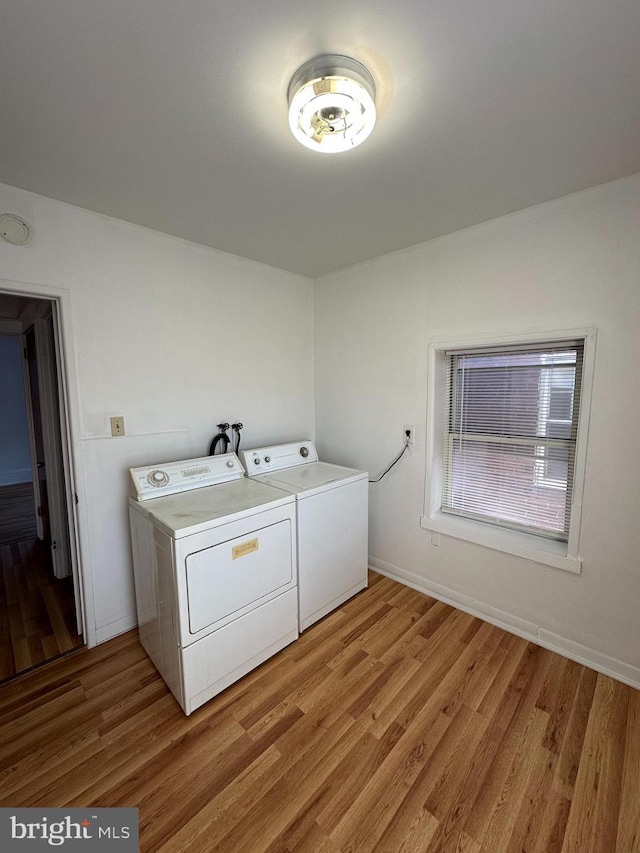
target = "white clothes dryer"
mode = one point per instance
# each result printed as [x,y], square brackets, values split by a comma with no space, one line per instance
[332,517]
[214,559]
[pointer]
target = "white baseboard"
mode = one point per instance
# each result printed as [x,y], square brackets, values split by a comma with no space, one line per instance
[621,671]
[114,629]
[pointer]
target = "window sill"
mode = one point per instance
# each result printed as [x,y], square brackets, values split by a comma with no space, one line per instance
[525,545]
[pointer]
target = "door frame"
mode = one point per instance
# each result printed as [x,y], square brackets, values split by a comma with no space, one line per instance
[53,414]
[74,475]
[31,429]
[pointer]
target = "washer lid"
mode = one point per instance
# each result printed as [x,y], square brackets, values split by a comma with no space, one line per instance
[196,510]
[312,476]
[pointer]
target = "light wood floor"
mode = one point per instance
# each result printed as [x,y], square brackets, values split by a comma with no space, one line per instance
[37,611]
[397,724]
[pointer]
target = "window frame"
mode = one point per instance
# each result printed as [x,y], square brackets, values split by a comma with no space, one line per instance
[531,546]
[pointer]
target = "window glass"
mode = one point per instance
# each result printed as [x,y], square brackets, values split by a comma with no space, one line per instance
[510,437]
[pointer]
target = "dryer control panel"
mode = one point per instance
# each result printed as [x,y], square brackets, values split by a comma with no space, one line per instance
[154,481]
[277,457]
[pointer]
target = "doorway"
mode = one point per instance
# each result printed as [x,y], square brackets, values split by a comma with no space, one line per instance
[40,616]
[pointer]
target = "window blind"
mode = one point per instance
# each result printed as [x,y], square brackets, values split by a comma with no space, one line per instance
[510,437]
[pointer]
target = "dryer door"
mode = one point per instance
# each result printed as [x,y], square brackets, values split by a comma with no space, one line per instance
[226,580]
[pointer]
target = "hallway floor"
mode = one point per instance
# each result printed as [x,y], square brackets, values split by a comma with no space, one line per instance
[37,611]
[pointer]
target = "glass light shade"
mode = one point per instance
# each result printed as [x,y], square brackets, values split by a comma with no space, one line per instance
[331,104]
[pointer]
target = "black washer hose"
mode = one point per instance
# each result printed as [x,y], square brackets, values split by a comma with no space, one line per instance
[221,437]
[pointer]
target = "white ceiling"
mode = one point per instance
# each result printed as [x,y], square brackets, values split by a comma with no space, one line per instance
[12,307]
[17,313]
[172,114]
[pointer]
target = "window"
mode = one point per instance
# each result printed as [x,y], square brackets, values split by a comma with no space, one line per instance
[506,443]
[510,440]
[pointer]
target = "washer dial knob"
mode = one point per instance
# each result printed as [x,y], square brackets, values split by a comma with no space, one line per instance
[256,461]
[267,459]
[230,464]
[304,452]
[158,478]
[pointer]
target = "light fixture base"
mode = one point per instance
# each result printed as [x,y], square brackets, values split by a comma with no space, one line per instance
[331,103]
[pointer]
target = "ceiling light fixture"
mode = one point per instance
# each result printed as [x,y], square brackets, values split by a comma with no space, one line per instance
[332,104]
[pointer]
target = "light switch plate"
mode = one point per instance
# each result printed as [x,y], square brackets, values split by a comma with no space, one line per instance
[117,425]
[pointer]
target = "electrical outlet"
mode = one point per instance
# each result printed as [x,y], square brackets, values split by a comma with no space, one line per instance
[117,425]
[409,433]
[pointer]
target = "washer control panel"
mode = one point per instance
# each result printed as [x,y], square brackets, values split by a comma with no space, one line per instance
[154,481]
[277,457]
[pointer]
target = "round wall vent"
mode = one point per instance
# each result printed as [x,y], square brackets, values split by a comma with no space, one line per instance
[13,229]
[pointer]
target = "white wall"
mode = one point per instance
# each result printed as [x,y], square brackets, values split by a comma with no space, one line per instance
[173,336]
[15,456]
[570,263]
[176,337]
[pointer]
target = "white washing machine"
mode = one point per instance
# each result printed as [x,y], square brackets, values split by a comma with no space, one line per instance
[215,572]
[332,516]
